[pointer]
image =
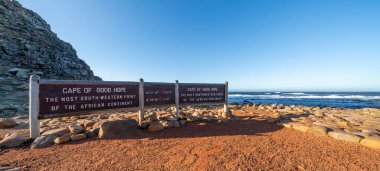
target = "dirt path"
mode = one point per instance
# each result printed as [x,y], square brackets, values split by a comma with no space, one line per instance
[237,145]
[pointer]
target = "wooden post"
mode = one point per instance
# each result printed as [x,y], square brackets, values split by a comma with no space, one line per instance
[34,123]
[176,99]
[226,97]
[141,101]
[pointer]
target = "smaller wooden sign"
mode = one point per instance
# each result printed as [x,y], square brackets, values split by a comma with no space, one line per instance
[201,93]
[159,94]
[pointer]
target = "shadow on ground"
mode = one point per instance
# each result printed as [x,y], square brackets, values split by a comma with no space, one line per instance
[242,126]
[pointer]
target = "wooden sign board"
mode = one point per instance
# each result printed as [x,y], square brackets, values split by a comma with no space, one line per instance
[55,98]
[201,93]
[156,94]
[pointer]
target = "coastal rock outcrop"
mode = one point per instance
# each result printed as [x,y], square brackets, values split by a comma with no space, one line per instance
[28,46]
[354,125]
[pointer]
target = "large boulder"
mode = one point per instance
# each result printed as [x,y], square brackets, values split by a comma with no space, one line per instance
[301,127]
[155,126]
[77,137]
[344,136]
[13,140]
[372,142]
[43,141]
[170,124]
[173,124]
[63,139]
[7,123]
[116,128]
[75,129]
[318,130]
[89,124]
[56,132]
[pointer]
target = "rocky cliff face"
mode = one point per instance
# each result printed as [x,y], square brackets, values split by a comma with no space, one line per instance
[28,46]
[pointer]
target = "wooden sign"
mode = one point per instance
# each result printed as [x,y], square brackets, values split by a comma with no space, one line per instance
[201,93]
[86,96]
[159,94]
[57,98]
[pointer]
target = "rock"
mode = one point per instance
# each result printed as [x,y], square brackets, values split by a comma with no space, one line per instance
[364,134]
[300,127]
[164,123]
[9,168]
[276,115]
[57,132]
[173,124]
[192,118]
[319,113]
[182,122]
[90,134]
[75,129]
[371,142]
[286,125]
[205,119]
[272,120]
[77,137]
[89,124]
[7,123]
[144,125]
[288,109]
[117,128]
[28,46]
[223,120]
[95,131]
[102,117]
[344,136]
[352,131]
[43,141]
[343,123]
[368,130]
[63,139]
[201,124]
[153,117]
[196,114]
[300,168]
[13,140]
[318,130]
[155,126]
[97,124]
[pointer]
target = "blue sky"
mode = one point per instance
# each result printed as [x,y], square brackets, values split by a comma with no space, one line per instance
[331,45]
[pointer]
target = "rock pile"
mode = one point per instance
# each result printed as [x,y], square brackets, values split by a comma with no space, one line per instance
[28,46]
[75,128]
[355,125]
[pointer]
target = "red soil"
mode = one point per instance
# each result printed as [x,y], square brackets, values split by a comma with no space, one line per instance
[245,144]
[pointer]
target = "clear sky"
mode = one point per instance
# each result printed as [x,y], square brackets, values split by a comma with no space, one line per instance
[331,45]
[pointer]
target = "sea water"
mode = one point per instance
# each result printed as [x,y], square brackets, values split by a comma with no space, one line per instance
[323,99]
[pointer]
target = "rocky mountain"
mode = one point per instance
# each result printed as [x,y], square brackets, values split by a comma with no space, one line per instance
[28,46]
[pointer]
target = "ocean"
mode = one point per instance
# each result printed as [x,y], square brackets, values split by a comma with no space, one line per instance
[353,100]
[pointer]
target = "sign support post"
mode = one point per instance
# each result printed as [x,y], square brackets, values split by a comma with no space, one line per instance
[226,97]
[176,99]
[34,123]
[141,101]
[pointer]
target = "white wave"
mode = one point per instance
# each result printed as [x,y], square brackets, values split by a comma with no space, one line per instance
[295,93]
[333,96]
[277,92]
[266,93]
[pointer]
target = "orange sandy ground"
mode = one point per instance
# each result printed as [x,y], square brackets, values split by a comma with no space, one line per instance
[246,144]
